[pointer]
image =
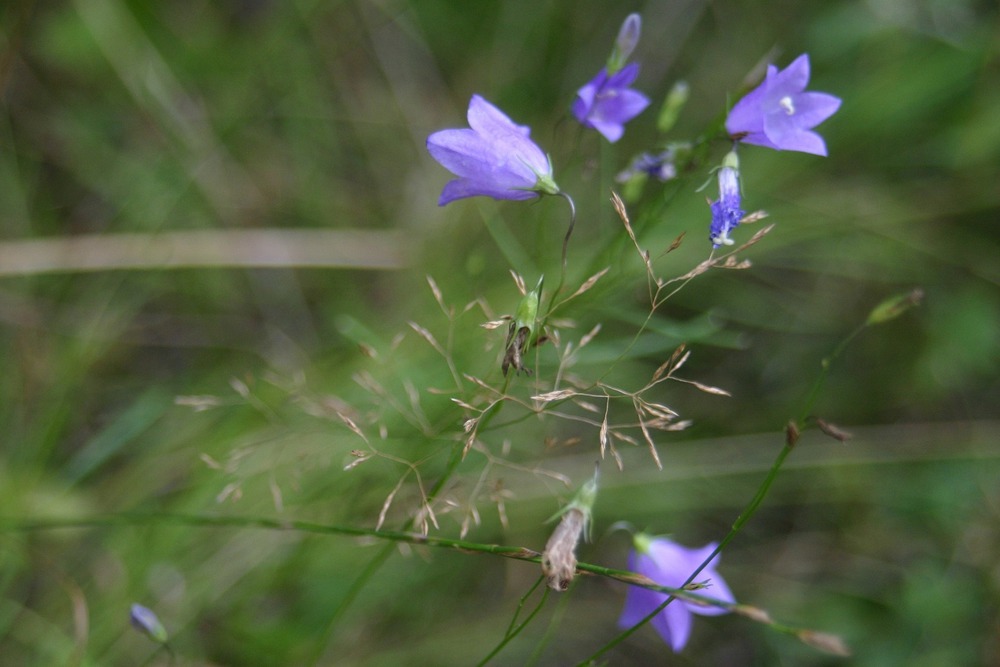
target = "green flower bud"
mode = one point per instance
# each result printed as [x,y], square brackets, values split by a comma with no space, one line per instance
[672,107]
[523,330]
[895,306]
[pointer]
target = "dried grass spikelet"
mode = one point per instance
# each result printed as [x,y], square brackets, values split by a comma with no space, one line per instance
[559,557]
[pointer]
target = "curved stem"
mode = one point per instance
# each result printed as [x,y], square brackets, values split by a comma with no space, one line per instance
[565,248]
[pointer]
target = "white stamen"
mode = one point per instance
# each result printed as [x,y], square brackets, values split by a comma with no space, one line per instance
[787,104]
[723,238]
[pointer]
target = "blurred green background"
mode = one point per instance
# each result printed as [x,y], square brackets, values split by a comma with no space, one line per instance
[247,115]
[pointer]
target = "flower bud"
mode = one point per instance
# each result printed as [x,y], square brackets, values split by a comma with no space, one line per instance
[895,306]
[625,43]
[523,330]
[144,620]
[672,106]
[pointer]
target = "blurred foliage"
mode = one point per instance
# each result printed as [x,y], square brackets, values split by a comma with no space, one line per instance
[241,114]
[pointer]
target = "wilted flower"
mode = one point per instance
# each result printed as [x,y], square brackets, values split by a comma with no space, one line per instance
[669,564]
[726,211]
[495,158]
[779,113]
[559,557]
[606,103]
[144,620]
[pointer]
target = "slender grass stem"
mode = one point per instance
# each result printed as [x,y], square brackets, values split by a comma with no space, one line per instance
[454,459]
[758,497]
[515,628]
[125,519]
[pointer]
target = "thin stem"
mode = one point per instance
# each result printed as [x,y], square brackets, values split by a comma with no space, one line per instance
[513,631]
[211,521]
[554,622]
[520,604]
[513,552]
[454,459]
[565,249]
[817,386]
[757,499]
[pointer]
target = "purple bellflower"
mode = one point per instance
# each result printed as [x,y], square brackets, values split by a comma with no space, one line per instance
[495,158]
[606,102]
[779,114]
[726,211]
[669,564]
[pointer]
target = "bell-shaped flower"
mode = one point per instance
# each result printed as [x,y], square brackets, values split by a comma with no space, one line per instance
[495,158]
[726,211]
[607,102]
[779,114]
[669,564]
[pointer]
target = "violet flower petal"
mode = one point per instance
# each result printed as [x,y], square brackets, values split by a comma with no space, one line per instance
[779,114]
[607,103]
[726,211]
[670,564]
[495,158]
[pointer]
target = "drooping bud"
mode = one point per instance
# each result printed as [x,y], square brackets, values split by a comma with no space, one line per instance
[144,620]
[625,43]
[559,557]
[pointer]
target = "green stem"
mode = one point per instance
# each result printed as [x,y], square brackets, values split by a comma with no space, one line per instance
[8,524]
[515,630]
[758,497]
[565,249]
[455,458]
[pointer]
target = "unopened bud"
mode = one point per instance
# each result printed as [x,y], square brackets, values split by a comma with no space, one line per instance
[628,38]
[895,306]
[144,620]
[825,642]
[523,330]
[753,613]
[672,107]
